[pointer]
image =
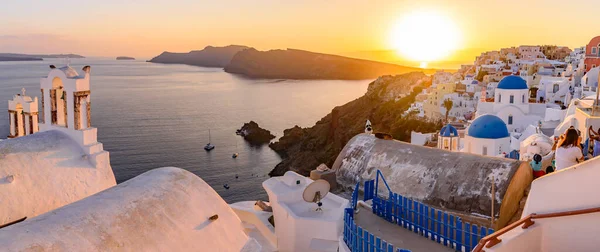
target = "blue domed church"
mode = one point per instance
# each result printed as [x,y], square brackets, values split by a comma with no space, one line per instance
[487,135]
[448,138]
[511,105]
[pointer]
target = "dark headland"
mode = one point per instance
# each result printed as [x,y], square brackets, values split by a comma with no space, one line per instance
[125,58]
[35,57]
[299,64]
[9,58]
[210,56]
[285,64]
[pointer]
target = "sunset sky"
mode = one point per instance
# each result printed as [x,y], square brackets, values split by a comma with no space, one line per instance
[147,28]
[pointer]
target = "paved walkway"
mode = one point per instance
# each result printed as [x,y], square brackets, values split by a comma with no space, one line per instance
[394,234]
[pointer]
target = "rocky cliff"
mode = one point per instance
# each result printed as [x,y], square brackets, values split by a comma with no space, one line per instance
[384,102]
[208,57]
[298,64]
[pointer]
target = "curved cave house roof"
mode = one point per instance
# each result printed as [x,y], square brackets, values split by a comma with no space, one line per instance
[448,131]
[488,127]
[44,171]
[512,82]
[165,209]
[454,181]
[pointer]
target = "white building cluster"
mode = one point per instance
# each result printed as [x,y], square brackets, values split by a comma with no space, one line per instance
[522,93]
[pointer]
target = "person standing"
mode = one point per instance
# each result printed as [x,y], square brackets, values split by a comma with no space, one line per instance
[594,136]
[568,152]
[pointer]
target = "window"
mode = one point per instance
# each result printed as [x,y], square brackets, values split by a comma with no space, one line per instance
[499,97]
[446,147]
[511,99]
[510,120]
[555,88]
[523,99]
[484,151]
[593,50]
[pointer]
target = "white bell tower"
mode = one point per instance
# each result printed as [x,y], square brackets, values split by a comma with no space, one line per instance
[66,107]
[22,115]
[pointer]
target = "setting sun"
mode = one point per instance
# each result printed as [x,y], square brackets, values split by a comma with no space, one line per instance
[425,36]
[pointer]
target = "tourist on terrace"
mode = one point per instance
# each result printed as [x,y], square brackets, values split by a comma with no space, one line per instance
[594,136]
[568,152]
[536,165]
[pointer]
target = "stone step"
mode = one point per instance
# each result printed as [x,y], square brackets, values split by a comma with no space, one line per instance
[93,148]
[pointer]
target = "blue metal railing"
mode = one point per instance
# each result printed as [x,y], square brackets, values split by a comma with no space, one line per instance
[359,239]
[354,199]
[380,175]
[371,186]
[437,225]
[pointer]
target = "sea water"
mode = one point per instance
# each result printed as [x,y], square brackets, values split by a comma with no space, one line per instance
[155,115]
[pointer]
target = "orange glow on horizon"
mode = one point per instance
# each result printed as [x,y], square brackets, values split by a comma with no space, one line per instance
[351,28]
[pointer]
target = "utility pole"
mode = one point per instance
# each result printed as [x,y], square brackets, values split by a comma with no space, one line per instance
[493,196]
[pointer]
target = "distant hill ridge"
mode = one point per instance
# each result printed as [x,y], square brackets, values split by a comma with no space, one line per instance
[49,56]
[35,57]
[301,64]
[284,64]
[210,56]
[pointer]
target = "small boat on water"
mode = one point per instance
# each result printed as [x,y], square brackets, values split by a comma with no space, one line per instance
[235,155]
[209,146]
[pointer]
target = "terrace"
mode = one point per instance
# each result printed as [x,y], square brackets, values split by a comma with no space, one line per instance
[398,224]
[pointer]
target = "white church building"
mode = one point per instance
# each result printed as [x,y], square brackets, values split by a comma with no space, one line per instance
[511,105]
[488,136]
[448,138]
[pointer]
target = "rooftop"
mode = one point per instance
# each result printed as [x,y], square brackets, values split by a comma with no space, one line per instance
[512,82]
[489,127]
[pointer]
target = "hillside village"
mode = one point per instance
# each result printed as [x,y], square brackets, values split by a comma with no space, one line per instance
[523,91]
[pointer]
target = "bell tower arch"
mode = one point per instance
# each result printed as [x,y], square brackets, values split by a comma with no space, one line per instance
[66,106]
